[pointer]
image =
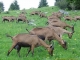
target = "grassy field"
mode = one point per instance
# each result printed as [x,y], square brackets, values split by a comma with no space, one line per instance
[13,28]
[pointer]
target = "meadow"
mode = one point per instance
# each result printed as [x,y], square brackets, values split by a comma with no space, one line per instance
[13,28]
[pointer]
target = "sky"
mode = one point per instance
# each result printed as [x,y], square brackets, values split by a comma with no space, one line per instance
[25,3]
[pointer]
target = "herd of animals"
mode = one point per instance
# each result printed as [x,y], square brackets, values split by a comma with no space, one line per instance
[40,35]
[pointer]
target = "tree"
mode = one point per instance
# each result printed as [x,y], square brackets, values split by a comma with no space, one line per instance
[77,4]
[43,3]
[1,7]
[61,4]
[74,4]
[14,6]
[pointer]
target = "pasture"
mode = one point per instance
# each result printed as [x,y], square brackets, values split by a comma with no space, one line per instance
[13,28]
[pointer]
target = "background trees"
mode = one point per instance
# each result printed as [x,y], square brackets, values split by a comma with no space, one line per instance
[61,4]
[43,3]
[76,3]
[1,7]
[70,4]
[14,6]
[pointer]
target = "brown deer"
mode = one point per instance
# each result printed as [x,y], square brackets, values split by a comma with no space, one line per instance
[60,31]
[22,17]
[61,24]
[28,40]
[49,35]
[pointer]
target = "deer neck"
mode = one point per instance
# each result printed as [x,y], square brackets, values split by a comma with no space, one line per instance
[43,43]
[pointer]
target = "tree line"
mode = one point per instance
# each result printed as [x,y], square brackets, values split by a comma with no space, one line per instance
[62,4]
[68,4]
[15,6]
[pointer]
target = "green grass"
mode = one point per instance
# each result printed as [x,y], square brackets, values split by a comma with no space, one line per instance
[13,28]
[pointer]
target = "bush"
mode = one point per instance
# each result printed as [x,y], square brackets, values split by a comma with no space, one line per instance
[62,4]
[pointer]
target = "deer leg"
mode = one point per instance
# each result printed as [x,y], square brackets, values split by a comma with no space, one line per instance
[32,49]
[73,29]
[28,52]
[18,51]
[46,38]
[14,44]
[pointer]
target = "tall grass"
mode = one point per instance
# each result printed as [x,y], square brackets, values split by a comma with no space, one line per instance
[13,28]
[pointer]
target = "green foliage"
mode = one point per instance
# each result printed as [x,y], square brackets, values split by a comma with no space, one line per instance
[40,53]
[43,3]
[70,4]
[71,1]
[76,4]
[61,4]
[1,7]
[14,6]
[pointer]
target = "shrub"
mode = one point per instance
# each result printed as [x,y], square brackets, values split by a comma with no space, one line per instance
[61,4]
